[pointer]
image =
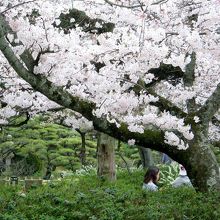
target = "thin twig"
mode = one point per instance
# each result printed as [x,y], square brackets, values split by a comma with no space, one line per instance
[14,6]
[126,164]
[135,6]
[159,2]
[124,6]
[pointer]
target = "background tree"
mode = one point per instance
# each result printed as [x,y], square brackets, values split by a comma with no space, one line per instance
[106,157]
[146,157]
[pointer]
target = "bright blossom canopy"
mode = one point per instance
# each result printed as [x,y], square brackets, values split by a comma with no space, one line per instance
[147,33]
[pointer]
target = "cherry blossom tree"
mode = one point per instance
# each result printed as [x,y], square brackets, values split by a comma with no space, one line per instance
[143,71]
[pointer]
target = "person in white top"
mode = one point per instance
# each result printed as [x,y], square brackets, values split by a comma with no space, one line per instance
[151,178]
[182,179]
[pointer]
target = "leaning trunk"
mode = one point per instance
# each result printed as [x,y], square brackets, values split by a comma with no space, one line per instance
[106,157]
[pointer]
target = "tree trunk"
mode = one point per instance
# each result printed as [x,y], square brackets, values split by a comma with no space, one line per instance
[50,167]
[82,153]
[202,167]
[146,156]
[49,170]
[106,157]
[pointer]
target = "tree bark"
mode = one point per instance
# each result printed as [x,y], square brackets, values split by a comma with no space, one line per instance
[202,167]
[106,157]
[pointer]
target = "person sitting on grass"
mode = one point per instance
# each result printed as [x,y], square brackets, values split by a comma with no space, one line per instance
[151,178]
[182,179]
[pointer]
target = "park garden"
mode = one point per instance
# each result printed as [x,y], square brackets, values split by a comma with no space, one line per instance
[93,93]
[52,183]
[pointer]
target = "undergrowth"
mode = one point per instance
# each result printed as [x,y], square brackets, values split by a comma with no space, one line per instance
[87,197]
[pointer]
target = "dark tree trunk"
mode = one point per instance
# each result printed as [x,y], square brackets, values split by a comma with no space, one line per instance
[106,157]
[202,167]
[82,153]
[146,156]
[49,170]
[50,167]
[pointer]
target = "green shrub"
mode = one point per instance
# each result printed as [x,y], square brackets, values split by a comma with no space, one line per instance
[87,197]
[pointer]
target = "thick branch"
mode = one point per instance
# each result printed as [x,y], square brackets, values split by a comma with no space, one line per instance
[84,21]
[40,83]
[25,56]
[56,109]
[215,121]
[25,121]
[150,138]
[189,75]
[3,104]
[13,124]
[165,105]
[188,80]
[80,132]
[211,106]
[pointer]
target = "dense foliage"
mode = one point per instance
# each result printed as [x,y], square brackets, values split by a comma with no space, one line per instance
[86,197]
[49,144]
